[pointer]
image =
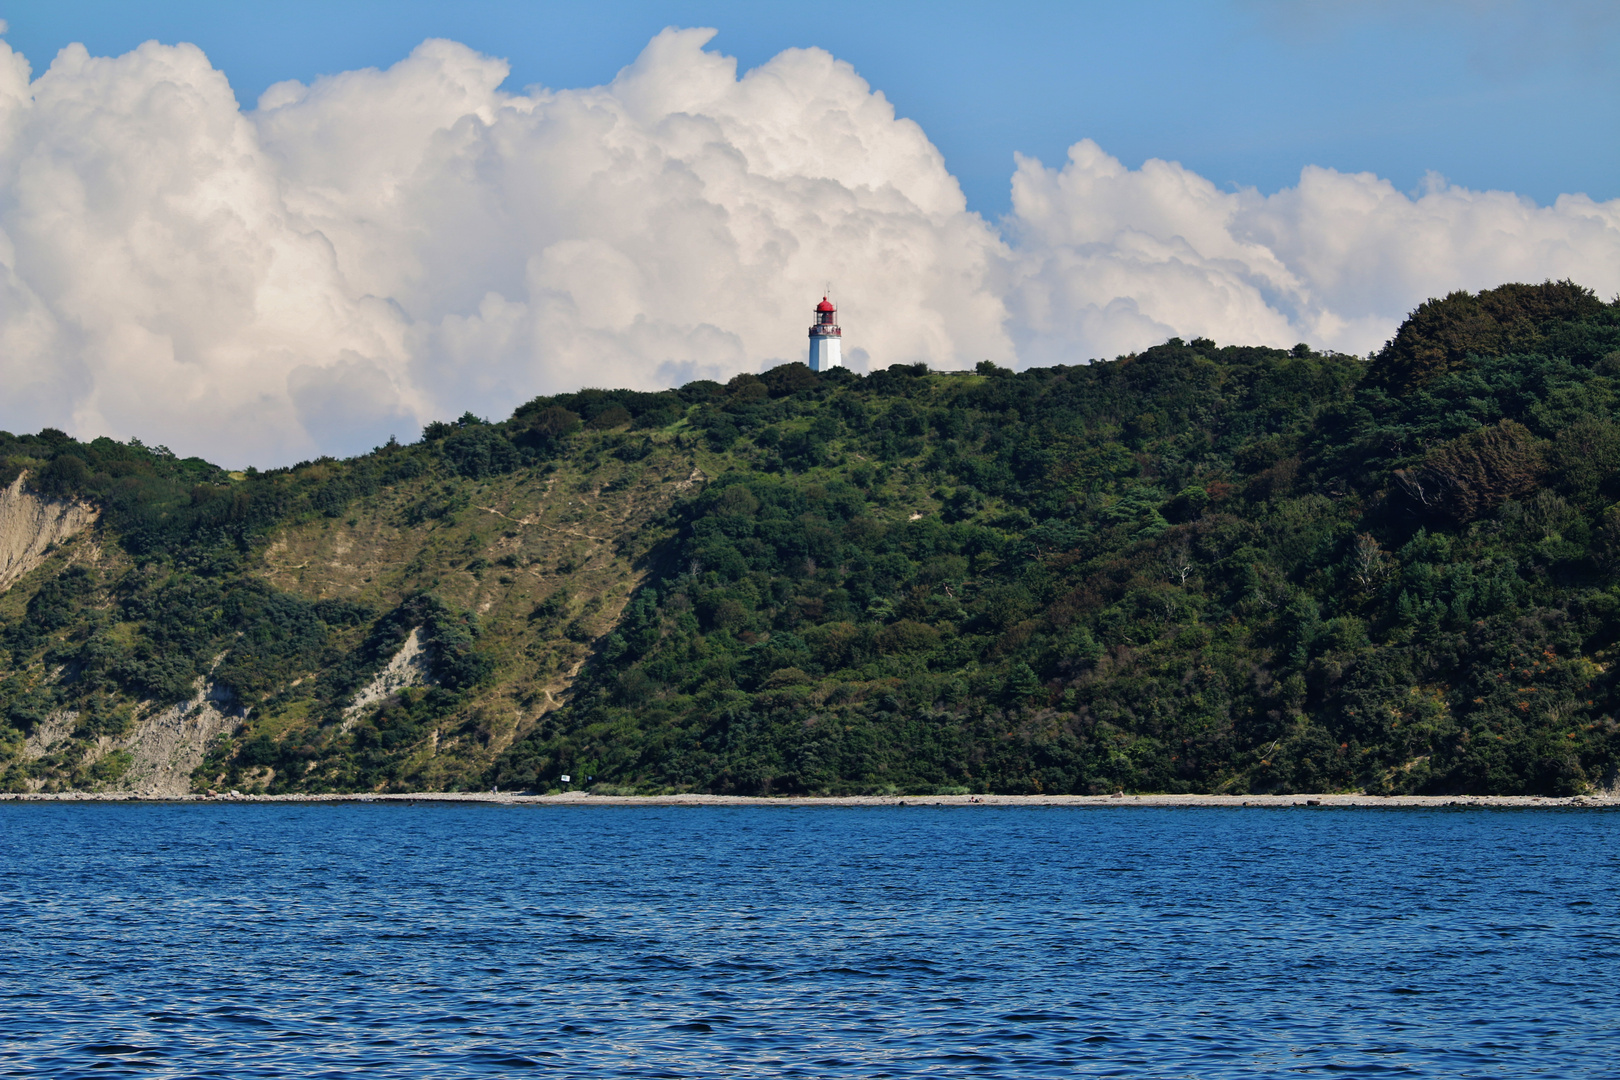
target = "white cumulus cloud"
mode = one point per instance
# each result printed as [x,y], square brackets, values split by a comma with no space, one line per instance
[1108,259]
[353,257]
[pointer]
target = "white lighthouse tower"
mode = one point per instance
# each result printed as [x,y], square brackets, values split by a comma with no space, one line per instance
[826,340]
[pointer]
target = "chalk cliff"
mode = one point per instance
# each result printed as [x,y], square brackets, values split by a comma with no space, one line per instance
[30,526]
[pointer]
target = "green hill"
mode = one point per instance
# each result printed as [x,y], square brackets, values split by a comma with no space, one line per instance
[1197,568]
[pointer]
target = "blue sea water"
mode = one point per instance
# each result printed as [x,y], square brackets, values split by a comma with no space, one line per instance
[325,940]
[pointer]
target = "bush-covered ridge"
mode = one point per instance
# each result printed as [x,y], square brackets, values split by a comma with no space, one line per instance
[1191,569]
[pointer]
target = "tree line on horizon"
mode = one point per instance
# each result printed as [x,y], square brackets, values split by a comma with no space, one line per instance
[1195,568]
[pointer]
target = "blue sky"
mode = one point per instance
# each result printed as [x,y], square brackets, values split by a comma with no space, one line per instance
[399,235]
[1492,95]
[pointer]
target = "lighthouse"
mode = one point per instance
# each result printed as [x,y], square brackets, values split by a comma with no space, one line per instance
[826,340]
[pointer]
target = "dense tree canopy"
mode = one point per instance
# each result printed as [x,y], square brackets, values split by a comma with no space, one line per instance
[1196,568]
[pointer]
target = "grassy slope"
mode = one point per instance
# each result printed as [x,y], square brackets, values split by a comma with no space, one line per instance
[491,550]
[1193,569]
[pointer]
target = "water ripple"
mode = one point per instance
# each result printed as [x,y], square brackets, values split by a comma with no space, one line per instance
[478,940]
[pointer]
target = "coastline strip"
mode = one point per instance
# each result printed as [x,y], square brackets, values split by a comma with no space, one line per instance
[1605,800]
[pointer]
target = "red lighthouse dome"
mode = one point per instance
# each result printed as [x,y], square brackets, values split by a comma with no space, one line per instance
[826,319]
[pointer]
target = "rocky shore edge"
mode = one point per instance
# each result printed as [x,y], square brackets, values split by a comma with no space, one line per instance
[1601,800]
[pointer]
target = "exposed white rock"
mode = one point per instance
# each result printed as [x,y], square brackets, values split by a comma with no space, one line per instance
[1609,786]
[168,746]
[52,730]
[29,525]
[409,667]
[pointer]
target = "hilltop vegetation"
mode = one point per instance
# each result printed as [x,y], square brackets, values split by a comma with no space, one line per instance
[1196,568]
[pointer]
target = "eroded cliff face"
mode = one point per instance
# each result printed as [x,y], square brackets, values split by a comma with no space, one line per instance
[31,525]
[536,565]
[155,758]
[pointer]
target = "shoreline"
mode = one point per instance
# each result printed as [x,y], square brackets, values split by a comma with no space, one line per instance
[1606,800]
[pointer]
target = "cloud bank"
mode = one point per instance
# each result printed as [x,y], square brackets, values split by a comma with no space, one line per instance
[351,258]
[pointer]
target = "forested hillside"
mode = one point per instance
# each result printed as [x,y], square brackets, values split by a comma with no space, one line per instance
[1198,568]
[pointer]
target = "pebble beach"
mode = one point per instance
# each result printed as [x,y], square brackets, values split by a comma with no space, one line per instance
[577,798]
